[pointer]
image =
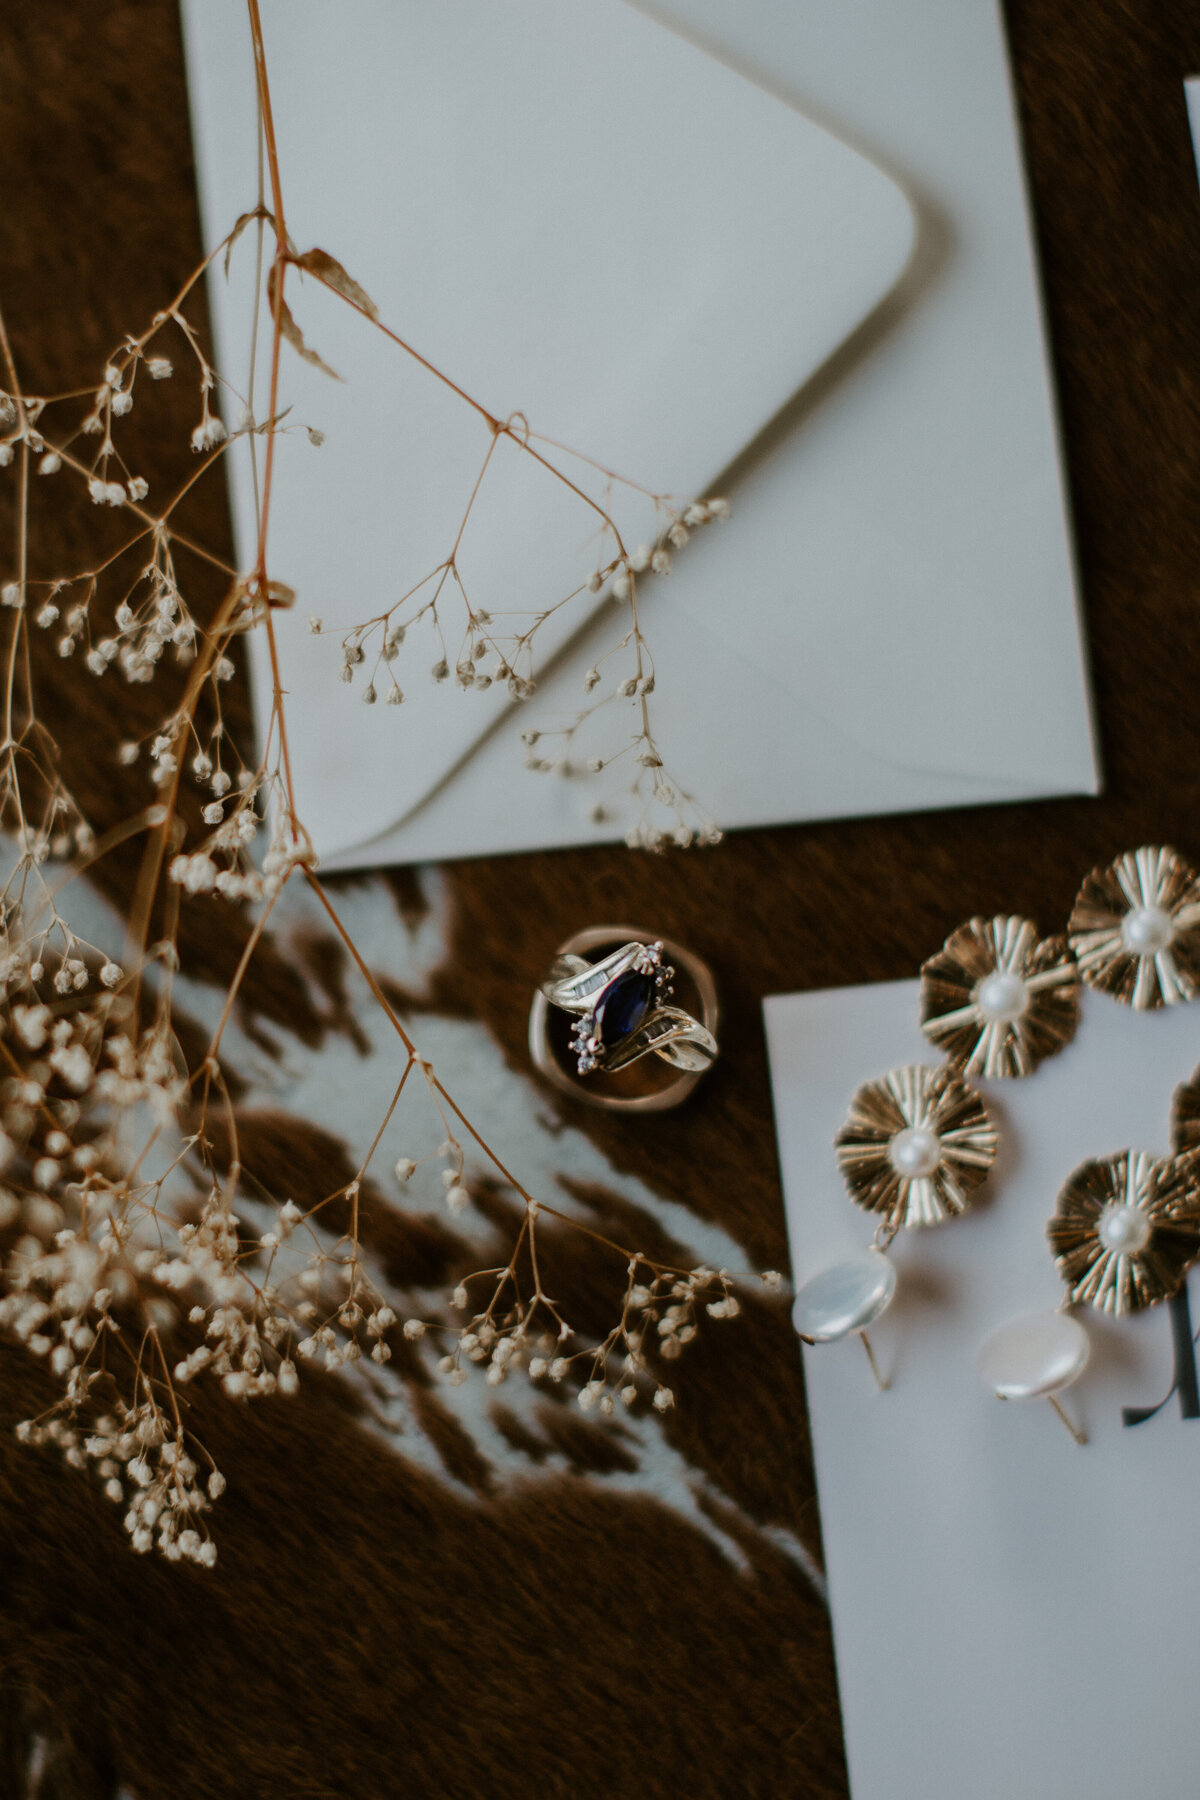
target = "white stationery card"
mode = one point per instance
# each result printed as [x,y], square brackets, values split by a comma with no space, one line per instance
[1191,90]
[647,234]
[1014,1616]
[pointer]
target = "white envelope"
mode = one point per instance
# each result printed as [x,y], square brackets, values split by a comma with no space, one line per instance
[584,217]
[1014,1615]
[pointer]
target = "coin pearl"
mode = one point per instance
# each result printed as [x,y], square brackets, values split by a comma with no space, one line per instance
[1147,930]
[846,1297]
[1124,1228]
[914,1152]
[1034,1356]
[1002,996]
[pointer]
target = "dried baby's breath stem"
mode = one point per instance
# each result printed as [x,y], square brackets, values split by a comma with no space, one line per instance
[364,971]
[14,387]
[138,1250]
[386,1120]
[161,838]
[239,975]
[281,247]
[483,1144]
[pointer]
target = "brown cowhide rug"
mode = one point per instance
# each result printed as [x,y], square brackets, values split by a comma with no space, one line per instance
[455,1593]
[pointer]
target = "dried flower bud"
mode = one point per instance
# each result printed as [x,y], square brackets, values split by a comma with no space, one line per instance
[208,434]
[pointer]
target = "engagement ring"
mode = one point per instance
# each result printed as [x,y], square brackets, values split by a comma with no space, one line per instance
[623,1003]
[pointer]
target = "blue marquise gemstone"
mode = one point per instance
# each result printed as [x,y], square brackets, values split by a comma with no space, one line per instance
[623,1005]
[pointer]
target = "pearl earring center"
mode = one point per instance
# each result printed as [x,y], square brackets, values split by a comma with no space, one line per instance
[914,1152]
[1147,930]
[1002,996]
[1125,1229]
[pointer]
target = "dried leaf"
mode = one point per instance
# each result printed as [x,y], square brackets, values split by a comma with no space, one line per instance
[328,269]
[291,331]
[247,218]
[255,601]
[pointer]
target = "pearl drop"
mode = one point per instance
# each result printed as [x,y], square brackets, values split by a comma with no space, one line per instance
[846,1297]
[1002,996]
[914,1152]
[1034,1356]
[1147,930]
[1124,1228]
